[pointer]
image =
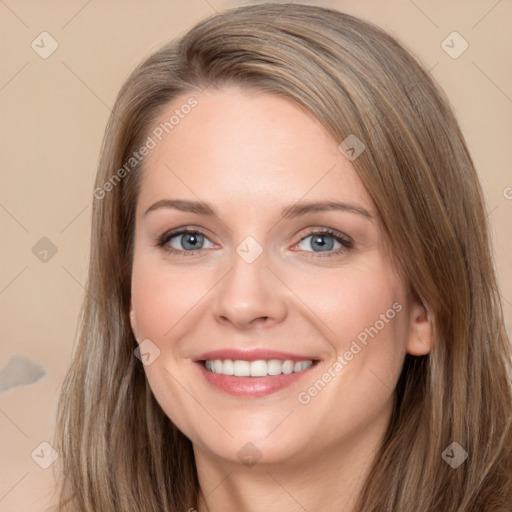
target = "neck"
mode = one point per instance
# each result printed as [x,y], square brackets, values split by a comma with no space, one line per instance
[328,479]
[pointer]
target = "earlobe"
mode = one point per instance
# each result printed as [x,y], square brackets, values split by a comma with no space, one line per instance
[132,320]
[420,338]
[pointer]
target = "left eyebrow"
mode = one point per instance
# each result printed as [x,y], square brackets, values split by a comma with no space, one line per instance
[299,209]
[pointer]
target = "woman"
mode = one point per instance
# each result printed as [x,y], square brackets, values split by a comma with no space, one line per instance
[291,301]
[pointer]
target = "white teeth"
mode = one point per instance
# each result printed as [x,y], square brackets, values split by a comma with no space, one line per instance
[217,366]
[300,365]
[287,366]
[228,367]
[240,368]
[260,368]
[274,367]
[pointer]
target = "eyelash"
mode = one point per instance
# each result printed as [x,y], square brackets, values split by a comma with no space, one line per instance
[346,242]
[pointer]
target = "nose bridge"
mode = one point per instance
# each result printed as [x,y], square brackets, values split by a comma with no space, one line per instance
[249,290]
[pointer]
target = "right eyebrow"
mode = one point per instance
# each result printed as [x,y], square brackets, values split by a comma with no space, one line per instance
[198,207]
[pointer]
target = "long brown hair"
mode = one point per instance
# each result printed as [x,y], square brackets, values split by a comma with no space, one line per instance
[120,452]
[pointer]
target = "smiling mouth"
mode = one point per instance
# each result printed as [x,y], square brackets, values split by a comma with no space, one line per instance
[258,368]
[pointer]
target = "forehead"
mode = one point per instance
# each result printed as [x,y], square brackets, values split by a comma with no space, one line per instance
[253,147]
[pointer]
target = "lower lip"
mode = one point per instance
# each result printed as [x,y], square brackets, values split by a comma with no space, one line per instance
[252,386]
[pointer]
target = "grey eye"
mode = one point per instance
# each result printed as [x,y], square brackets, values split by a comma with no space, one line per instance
[320,242]
[187,241]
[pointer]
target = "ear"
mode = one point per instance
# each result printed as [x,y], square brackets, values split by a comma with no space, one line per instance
[133,321]
[420,339]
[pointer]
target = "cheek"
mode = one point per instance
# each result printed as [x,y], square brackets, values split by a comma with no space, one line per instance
[364,319]
[354,302]
[366,316]
[163,300]
[162,297]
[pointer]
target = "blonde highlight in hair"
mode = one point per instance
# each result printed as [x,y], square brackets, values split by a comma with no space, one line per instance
[120,452]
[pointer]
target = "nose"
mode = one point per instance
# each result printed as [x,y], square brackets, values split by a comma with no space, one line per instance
[250,295]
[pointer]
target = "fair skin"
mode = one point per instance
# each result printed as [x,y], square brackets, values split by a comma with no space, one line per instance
[249,155]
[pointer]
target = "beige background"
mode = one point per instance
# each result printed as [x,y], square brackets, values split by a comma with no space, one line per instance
[54,112]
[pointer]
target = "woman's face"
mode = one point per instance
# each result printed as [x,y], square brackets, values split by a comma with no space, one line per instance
[265,270]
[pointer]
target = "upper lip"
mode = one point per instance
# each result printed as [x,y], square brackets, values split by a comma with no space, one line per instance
[251,355]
